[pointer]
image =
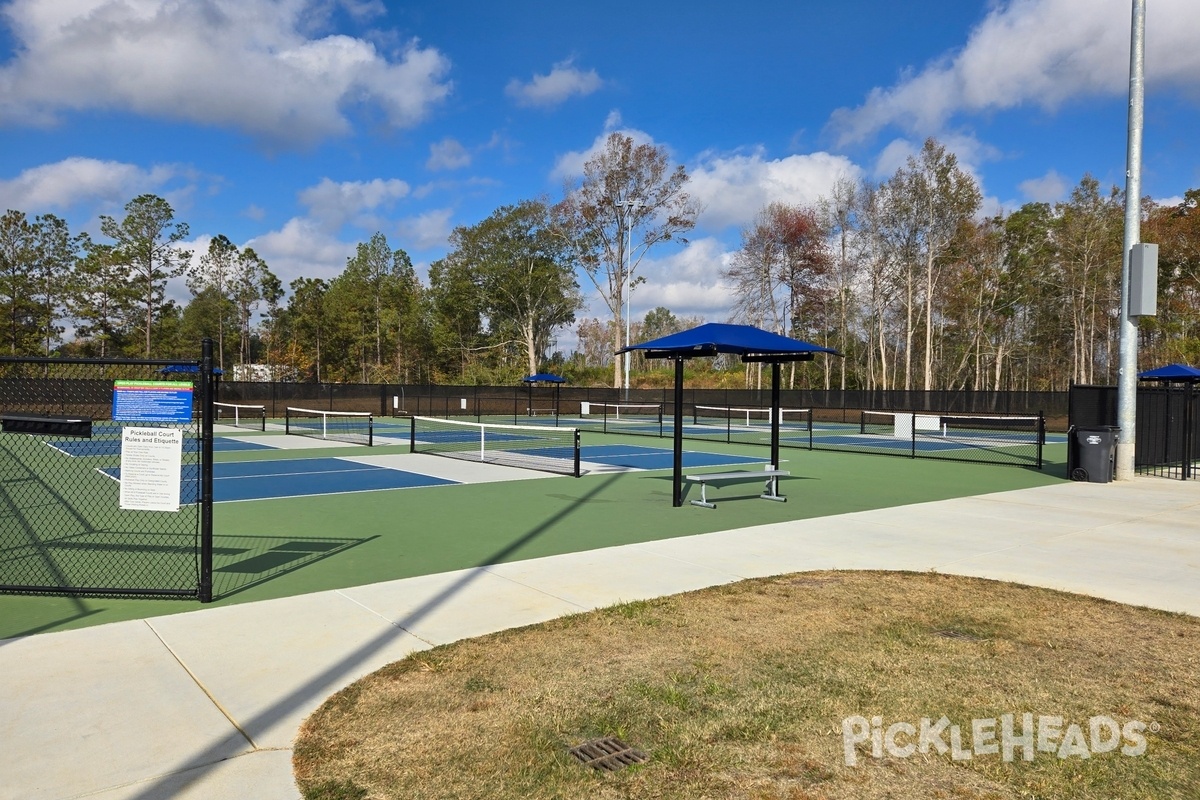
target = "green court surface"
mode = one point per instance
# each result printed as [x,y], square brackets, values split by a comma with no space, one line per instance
[282,547]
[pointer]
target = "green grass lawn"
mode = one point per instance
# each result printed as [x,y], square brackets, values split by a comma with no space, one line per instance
[795,687]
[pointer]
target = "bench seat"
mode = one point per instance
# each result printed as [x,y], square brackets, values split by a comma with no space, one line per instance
[771,476]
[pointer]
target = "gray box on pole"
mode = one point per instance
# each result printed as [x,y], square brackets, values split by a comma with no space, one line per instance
[1143,280]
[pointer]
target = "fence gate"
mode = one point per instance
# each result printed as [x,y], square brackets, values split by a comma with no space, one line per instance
[106,477]
[1168,424]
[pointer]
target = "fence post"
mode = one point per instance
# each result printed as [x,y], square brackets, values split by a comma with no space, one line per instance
[206,471]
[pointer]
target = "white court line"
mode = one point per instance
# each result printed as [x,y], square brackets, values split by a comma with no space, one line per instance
[451,469]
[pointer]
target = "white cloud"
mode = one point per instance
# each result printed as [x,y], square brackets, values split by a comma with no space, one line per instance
[563,82]
[968,150]
[687,282]
[447,154]
[72,181]
[302,249]
[426,231]
[733,188]
[569,166]
[241,64]
[333,204]
[893,156]
[1049,188]
[1039,52]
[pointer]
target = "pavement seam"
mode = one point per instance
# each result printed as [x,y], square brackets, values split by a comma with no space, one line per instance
[391,623]
[200,684]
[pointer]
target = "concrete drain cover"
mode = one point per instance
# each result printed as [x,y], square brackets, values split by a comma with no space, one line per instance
[608,753]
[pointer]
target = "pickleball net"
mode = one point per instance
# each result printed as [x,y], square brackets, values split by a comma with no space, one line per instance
[751,417]
[241,416]
[1001,430]
[354,427]
[536,447]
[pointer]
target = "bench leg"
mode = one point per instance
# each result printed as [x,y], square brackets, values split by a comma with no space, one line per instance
[772,491]
[703,501]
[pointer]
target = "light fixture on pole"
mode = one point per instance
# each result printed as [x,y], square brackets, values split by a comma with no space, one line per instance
[628,206]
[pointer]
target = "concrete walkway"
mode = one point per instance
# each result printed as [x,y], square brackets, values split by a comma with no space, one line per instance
[206,704]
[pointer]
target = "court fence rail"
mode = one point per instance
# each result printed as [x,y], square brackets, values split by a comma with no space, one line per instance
[1167,440]
[70,530]
[834,415]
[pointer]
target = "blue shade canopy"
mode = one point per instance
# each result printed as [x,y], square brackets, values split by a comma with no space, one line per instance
[1172,372]
[752,344]
[544,377]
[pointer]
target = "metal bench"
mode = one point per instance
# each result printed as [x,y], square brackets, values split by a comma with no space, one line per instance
[771,476]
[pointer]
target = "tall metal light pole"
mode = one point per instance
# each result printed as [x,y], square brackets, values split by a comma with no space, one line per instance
[628,206]
[1127,370]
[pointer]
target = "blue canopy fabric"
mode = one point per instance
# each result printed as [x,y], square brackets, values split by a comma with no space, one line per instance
[1180,373]
[544,377]
[713,338]
[752,344]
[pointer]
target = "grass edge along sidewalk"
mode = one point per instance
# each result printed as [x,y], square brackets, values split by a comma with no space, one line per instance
[803,685]
[408,532]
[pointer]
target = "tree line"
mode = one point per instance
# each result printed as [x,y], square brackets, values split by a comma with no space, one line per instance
[903,276]
[489,311]
[919,291]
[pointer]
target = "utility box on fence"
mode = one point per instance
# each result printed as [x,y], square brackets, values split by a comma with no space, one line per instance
[1093,451]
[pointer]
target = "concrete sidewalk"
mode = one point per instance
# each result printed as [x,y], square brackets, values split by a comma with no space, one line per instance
[206,704]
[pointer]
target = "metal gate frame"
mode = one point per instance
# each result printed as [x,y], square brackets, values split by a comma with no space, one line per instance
[37,413]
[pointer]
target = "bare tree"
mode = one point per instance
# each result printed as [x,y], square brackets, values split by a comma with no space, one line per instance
[931,198]
[625,187]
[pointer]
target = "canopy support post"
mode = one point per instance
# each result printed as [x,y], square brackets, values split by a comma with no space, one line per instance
[677,496]
[776,413]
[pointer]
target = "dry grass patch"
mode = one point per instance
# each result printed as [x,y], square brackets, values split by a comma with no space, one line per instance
[742,691]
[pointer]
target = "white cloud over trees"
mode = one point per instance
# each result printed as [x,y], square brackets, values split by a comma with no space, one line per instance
[332,204]
[732,188]
[63,184]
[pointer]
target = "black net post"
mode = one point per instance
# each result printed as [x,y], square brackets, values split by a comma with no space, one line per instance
[577,471]
[677,473]
[1041,437]
[207,381]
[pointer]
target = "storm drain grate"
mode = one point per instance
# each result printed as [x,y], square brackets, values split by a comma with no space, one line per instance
[608,753]
[953,634]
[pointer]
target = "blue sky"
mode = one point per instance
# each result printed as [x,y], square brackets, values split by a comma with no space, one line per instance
[300,127]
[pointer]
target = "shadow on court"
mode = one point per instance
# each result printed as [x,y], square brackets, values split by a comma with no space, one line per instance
[174,777]
[240,562]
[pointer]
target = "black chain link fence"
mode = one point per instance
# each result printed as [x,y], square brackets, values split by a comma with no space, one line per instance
[66,527]
[997,427]
[1168,424]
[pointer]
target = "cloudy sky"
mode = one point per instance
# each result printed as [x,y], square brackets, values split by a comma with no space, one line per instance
[300,127]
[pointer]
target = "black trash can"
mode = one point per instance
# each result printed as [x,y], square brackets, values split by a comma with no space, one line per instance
[1094,451]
